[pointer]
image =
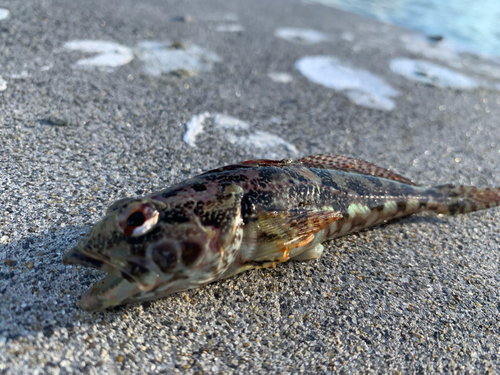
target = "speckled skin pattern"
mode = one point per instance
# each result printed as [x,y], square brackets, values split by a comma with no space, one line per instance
[251,215]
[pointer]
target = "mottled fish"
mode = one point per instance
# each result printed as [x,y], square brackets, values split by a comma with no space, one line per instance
[245,216]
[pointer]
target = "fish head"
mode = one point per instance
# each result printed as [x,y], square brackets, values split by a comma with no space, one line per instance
[144,255]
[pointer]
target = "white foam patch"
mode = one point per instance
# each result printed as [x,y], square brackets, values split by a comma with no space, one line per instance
[230,28]
[360,86]
[433,74]
[304,36]
[444,50]
[453,54]
[263,144]
[347,36]
[194,127]
[165,57]
[4,13]
[22,75]
[280,77]
[110,54]
[3,84]
[222,121]
[266,145]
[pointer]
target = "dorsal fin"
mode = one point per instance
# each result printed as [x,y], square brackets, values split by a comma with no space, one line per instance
[348,164]
[252,164]
[325,161]
[268,162]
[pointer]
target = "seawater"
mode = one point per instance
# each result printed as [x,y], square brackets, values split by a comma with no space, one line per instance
[472,24]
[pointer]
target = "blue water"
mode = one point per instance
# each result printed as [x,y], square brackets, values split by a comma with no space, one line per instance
[472,23]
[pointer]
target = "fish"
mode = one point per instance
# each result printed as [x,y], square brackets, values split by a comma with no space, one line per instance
[251,215]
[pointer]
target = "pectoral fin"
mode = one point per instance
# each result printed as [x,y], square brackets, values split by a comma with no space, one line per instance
[284,235]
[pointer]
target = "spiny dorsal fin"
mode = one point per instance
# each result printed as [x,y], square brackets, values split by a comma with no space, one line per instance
[268,162]
[251,164]
[348,164]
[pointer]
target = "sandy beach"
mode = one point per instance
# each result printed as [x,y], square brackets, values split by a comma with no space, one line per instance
[105,100]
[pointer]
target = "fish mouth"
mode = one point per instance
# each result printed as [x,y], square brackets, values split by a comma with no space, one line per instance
[116,288]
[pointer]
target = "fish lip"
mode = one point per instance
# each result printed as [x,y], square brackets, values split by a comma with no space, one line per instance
[92,299]
[101,295]
[78,256]
[108,292]
[96,297]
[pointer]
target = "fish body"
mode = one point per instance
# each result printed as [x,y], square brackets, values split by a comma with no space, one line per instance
[255,214]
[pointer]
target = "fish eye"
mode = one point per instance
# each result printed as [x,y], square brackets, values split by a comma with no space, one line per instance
[137,219]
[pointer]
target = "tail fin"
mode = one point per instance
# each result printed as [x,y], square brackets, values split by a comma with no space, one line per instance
[452,200]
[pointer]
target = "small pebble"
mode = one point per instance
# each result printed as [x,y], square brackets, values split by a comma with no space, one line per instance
[183,18]
[10,262]
[58,120]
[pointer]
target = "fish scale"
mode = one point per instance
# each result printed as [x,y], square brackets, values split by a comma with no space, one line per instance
[250,215]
